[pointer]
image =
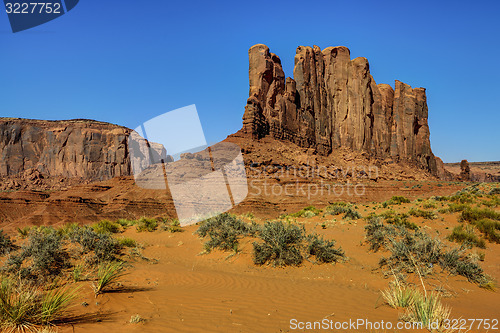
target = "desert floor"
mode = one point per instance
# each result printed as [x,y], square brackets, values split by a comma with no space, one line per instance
[177,288]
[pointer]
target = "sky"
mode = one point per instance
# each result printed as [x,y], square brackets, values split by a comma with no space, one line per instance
[126,62]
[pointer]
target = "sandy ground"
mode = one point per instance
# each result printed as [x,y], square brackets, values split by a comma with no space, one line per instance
[184,291]
[181,290]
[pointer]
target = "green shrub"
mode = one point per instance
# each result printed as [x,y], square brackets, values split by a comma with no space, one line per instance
[495,190]
[396,200]
[309,211]
[399,219]
[101,247]
[127,242]
[26,307]
[454,207]
[377,233]
[461,234]
[281,244]
[107,274]
[494,202]
[397,296]
[224,231]
[126,223]
[343,208]
[106,226]
[77,273]
[429,204]
[422,213]
[490,229]
[67,229]
[145,224]
[475,214]
[43,256]
[172,226]
[6,244]
[427,309]
[456,262]
[414,251]
[23,232]
[324,250]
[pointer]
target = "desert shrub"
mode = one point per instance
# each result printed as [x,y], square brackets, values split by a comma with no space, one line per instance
[415,251]
[249,215]
[397,296]
[281,244]
[395,200]
[343,208]
[6,244]
[126,223]
[399,219]
[463,198]
[28,308]
[172,225]
[107,274]
[475,214]
[106,226]
[495,190]
[429,204]
[145,224]
[77,273]
[323,250]
[101,247]
[136,319]
[490,229]
[23,232]
[378,233]
[422,213]
[42,256]
[493,202]
[465,234]
[456,262]
[127,242]
[309,211]
[375,233]
[427,309]
[224,231]
[454,207]
[440,198]
[67,229]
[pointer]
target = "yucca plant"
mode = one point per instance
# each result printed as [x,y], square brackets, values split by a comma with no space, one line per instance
[427,309]
[27,308]
[107,274]
[398,296]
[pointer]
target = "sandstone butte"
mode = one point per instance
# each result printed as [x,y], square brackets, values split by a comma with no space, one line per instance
[332,102]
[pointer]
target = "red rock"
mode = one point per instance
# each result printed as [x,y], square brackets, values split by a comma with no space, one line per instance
[334,102]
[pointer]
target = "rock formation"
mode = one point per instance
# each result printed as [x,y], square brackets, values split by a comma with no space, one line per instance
[334,102]
[85,149]
[465,174]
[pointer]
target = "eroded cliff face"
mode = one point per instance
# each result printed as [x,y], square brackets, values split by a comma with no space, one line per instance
[334,102]
[85,149]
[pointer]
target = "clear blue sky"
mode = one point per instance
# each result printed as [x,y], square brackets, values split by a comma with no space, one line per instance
[128,61]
